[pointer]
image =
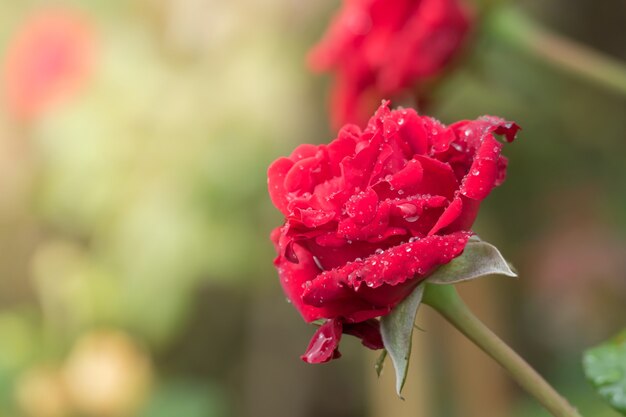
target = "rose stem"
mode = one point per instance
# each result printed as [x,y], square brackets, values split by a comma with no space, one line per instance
[445,299]
[514,28]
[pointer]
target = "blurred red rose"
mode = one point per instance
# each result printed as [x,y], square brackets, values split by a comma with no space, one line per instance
[371,214]
[377,48]
[47,58]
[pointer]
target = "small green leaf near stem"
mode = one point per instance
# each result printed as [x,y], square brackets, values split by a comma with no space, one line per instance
[380,362]
[446,301]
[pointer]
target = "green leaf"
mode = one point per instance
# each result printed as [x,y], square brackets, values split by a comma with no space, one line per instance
[477,260]
[605,368]
[396,329]
[380,362]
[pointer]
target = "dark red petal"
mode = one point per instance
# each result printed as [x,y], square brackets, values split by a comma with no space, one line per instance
[368,331]
[504,127]
[324,343]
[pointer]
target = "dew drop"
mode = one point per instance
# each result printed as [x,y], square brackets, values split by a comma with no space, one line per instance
[318,263]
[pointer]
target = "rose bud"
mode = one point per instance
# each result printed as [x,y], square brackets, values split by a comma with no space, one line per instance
[377,49]
[370,215]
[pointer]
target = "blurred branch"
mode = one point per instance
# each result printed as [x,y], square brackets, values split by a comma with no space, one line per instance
[518,30]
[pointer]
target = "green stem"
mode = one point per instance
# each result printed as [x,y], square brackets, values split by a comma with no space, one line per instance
[447,302]
[516,29]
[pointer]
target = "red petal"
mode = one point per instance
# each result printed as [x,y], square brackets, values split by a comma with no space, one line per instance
[324,343]
[450,214]
[413,131]
[276,183]
[299,178]
[293,276]
[482,176]
[368,331]
[391,267]
[438,178]
[303,151]
[408,177]
[488,167]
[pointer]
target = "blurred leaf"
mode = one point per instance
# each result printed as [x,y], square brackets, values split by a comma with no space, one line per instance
[477,260]
[605,368]
[396,329]
[19,341]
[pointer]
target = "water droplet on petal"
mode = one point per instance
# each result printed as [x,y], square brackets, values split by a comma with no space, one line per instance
[318,263]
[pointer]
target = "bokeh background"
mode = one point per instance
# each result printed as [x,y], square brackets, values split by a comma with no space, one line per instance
[135,267]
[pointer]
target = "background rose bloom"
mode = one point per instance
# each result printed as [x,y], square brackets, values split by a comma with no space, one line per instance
[371,214]
[377,51]
[47,58]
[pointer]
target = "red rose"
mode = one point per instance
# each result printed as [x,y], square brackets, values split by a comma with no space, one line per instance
[378,48]
[49,57]
[371,214]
